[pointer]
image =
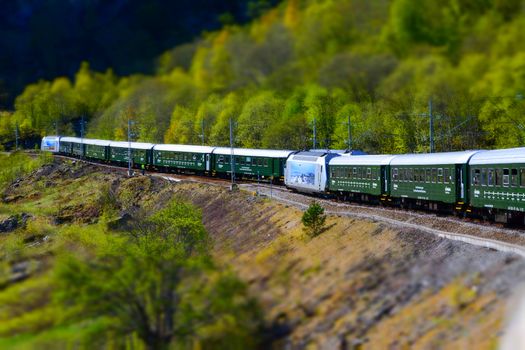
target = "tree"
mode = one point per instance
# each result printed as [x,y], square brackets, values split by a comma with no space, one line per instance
[257,115]
[143,283]
[314,220]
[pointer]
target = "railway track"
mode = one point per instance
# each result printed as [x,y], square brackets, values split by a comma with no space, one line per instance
[478,234]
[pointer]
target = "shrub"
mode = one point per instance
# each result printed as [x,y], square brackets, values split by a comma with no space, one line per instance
[314,219]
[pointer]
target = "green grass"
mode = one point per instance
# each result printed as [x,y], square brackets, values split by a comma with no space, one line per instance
[17,164]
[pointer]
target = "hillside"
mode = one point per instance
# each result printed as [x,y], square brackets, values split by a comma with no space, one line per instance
[360,283]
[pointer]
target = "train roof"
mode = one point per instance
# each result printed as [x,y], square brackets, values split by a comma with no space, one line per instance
[312,153]
[249,152]
[499,156]
[433,158]
[183,148]
[379,159]
[135,145]
[96,142]
[71,139]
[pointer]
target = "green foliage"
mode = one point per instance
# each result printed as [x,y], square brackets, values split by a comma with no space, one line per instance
[157,283]
[17,164]
[378,61]
[314,220]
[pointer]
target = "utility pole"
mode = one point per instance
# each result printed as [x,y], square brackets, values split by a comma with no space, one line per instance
[232,157]
[431,117]
[349,134]
[202,131]
[315,134]
[82,136]
[16,136]
[82,127]
[129,147]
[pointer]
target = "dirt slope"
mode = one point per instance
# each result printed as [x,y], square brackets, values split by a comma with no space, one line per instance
[360,283]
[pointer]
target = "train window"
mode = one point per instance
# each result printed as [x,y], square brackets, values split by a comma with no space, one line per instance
[221,159]
[194,157]
[476,176]
[446,175]
[498,177]
[349,173]
[490,177]
[434,175]
[514,177]
[394,174]
[506,177]
[440,175]
[522,177]
[484,177]
[368,173]
[427,175]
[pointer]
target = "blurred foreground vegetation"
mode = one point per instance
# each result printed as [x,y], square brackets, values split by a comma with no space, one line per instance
[17,164]
[377,62]
[150,284]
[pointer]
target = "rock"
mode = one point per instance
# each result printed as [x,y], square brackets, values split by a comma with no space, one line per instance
[14,222]
[19,271]
[121,223]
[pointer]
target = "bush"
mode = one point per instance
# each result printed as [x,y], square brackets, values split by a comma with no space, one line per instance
[314,220]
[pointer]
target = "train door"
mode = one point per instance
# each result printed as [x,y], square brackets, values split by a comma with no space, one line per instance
[207,162]
[384,177]
[460,183]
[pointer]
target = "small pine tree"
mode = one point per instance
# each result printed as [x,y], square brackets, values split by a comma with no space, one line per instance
[314,219]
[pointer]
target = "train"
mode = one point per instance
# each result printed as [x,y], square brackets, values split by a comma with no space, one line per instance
[489,184]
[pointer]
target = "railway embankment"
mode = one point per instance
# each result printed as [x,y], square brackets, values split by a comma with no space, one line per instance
[364,281]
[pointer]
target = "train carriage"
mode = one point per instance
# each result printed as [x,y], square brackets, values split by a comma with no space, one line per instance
[141,152]
[436,181]
[251,163]
[96,149]
[71,146]
[360,177]
[185,158]
[498,184]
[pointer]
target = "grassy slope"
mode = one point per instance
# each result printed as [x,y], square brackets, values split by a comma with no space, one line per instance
[359,282]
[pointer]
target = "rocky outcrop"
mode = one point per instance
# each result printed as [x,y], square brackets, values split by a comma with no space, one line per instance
[14,222]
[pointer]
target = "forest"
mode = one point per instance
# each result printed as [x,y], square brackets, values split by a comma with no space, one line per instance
[383,66]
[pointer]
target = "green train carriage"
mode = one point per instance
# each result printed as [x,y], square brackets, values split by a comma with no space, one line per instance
[71,146]
[183,158]
[497,188]
[251,163]
[362,177]
[437,181]
[96,149]
[141,152]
